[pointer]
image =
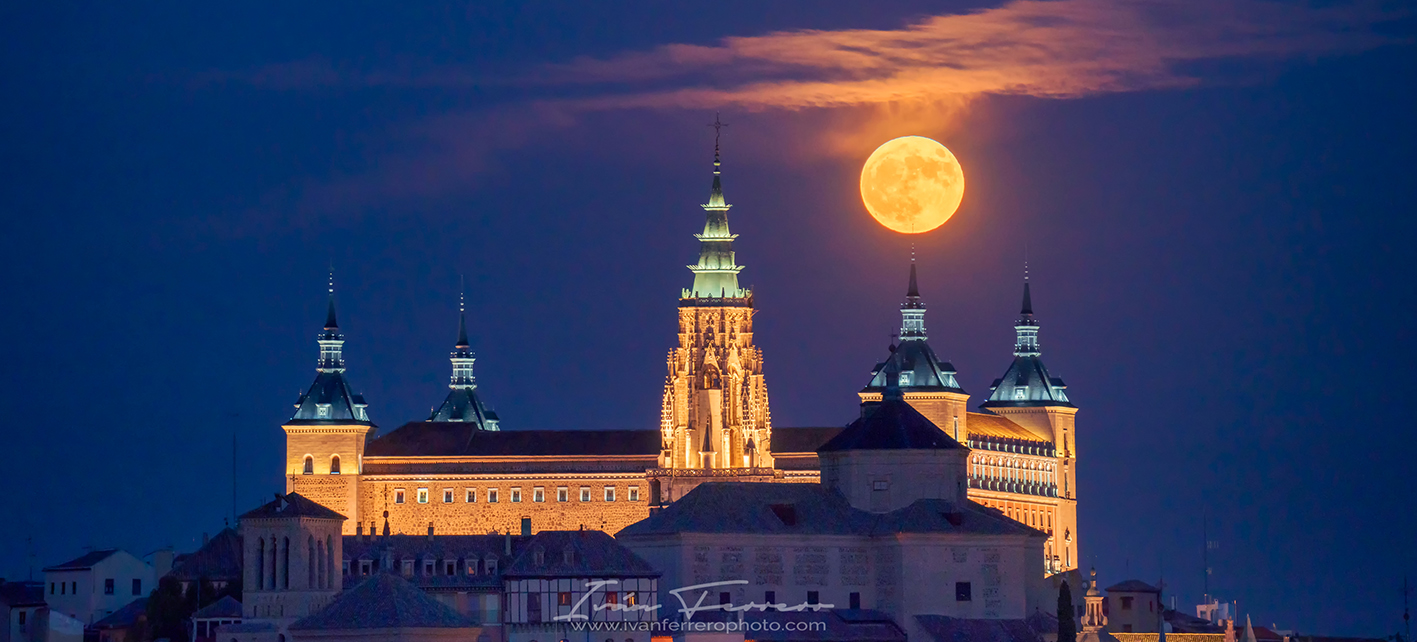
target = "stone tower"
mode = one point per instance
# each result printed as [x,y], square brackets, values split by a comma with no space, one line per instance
[714,420]
[1038,401]
[292,553]
[926,383]
[324,441]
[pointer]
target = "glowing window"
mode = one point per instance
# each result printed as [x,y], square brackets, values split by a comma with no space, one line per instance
[470,495]
[516,495]
[634,493]
[423,495]
[334,465]
[447,495]
[538,494]
[585,493]
[609,493]
[398,495]
[491,495]
[563,494]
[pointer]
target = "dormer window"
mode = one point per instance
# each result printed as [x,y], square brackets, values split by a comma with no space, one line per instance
[408,568]
[906,379]
[361,413]
[1020,392]
[322,410]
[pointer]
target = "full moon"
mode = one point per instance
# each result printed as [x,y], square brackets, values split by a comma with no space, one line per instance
[912,184]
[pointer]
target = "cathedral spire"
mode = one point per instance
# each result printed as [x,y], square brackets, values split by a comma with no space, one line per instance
[716,273]
[330,340]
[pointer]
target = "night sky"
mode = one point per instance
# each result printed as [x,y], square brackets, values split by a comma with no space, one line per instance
[1215,197]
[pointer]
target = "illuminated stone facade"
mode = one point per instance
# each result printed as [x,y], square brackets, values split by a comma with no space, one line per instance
[458,473]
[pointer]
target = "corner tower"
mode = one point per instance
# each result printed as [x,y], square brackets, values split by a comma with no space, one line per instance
[1031,397]
[463,403]
[714,419]
[925,382]
[324,441]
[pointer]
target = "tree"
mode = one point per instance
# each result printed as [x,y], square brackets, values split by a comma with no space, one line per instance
[1067,627]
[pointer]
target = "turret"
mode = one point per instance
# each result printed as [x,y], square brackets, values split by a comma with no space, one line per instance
[463,404]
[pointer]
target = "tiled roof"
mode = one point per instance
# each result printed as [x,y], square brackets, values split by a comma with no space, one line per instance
[22,593]
[226,607]
[592,554]
[384,601]
[890,424]
[85,561]
[125,617]
[291,505]
[1133,586]
[953,629]
[218,559]
[804,509]
[438,548]
[425,438]
[801,440]
[987,425]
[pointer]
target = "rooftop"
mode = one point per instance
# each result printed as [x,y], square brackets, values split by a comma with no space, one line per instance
[890,424]
[84,562]
[384,601]
[431,438]
[291,505]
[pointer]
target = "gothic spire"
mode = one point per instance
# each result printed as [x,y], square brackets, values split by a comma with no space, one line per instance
[330,340]
[1026,328]
[1027,382]
[462,357]
[716,274]
[912,312]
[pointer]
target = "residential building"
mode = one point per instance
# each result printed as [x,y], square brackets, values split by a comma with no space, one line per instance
[94,585]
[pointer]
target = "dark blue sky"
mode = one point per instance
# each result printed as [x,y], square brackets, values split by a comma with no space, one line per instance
[1219,229]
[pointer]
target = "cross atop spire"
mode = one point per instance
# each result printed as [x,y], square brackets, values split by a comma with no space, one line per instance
[716,194]
[716,274]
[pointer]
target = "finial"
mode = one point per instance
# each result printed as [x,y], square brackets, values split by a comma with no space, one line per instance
[330,322]
[717,126]
[462,293]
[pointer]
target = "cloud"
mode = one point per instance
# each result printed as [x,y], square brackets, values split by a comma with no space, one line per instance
[1052,49]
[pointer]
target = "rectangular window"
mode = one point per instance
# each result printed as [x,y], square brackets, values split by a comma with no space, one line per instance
[634,493]
[855,600]
[108,588]
[423,495]
[344,568]
[612,597]
[491,495]
[813,597]
[447,495]
[471,566]
[73,588]
[428,568]
[585,493]
[137,587]
[63,587]
[962,592]
[563,494]
[450,567]
[366,567]
[470,495]
[563,599]
[516,495]
[609,493]
[51,588]
[632,598]
[408,568]
[22,617]
[491,566]
[1126,604]
[398,495]
[538,494]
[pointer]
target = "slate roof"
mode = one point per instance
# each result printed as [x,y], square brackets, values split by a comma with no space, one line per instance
[812,509]
[125,617]
[22,593]
[1133,586]
[463,404]
[1040,388]
[801,440]
[225,608]
[953,629]
[425,438]
[218,559]
[438,548]
[332,389]
[83,562]
[384,601]
[291,505]
[990,425]
[890,424]
[593,554]
[922,370]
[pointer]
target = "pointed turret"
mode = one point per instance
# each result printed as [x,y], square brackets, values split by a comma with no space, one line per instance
[1027,382]
[919,370]
[330,399]
[716,273]
[463,403]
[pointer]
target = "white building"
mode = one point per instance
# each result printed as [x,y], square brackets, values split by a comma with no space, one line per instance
[94,585]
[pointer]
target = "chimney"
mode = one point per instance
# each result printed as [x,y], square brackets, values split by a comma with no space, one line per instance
[430,531]
[162,562]
[507,547]
[359,531]
[526,526]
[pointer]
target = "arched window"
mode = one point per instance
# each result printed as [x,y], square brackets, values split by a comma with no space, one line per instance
[261,563]
[285,564]
[329,562]
[318,563]
[334,465]
[309,465]
[310,563]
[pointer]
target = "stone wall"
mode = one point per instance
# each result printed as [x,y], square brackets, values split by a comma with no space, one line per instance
[481,516]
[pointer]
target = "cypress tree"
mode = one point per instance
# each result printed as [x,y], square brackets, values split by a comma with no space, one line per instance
[1067,628]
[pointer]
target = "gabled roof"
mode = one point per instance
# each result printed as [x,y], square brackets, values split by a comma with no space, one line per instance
[85,561]
[592,554]
[219,558]
[291,505]
[1133,586]
[226,607]
[125,617]
[383,601]
[918,369]
[812,509]
[424,438]
[330,389]
[890,424]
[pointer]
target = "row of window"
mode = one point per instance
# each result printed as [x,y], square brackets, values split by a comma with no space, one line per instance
[110,587]
[470,566]
[310,465]
[538,494]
